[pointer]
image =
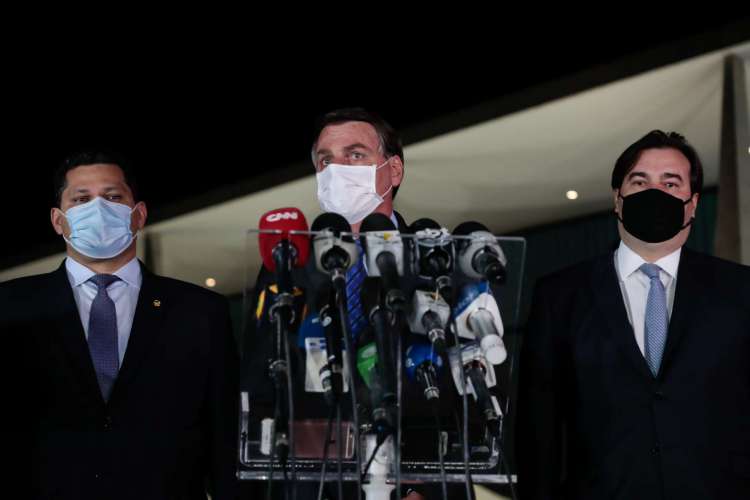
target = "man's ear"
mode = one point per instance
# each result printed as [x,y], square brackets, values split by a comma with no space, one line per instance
[59,222]
[397,170]
[140,214]
[617,201]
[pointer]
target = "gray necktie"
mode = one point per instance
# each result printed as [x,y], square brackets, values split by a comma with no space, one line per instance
[657,318]
[103,335]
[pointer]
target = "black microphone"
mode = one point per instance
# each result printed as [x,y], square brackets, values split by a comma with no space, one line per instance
[429,315]
[480,256]
[469,358]
[331,374]
[423,366]
[385,257]
[432,255]
[334,253]
[475,371]
[383,390]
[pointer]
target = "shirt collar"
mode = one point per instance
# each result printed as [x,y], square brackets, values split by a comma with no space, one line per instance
[394,219]
[78,274]
[629,262]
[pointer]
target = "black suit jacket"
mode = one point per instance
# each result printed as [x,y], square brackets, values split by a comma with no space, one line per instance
[170,425]
[589,404]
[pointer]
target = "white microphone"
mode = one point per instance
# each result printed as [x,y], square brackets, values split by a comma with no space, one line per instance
[478,318]
[479,378]
[333,253]
[429,315]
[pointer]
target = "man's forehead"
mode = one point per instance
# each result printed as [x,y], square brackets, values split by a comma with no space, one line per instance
[348,133]
[94,174]
[662,160]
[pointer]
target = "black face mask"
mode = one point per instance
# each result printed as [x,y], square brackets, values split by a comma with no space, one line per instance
[653,216]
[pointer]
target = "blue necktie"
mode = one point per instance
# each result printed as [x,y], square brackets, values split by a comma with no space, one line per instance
[657,318]
[103,335]
[355,276]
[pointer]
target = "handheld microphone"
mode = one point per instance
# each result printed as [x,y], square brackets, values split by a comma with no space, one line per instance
[480,256]
[478,317]
[423,365]
[334,253]
[429,315]
[432,254]
[479,378]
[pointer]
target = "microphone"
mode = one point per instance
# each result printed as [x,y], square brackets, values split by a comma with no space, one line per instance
[480,256]
[282,248]
[334,253]
[429,315]
[383,386]
[281,245]
[331,374]
[384,250]
[478,317]
[479,378]
[432,254]
[423,365]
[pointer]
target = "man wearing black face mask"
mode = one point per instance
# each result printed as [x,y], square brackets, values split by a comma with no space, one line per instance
[635,371]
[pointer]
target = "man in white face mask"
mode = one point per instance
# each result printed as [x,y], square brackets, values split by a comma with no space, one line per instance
[129,379]
[359,164]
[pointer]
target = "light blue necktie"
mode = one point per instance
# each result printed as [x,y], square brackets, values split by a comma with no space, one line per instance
[657,318]
[103,335]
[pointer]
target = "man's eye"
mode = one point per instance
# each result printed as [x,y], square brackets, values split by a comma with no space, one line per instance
[670,185]
[81,199]
[357,156]
[114,197]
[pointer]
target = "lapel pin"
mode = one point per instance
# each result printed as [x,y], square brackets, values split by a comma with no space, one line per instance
[157,303]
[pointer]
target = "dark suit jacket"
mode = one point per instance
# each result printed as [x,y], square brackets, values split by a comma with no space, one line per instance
[170,425]
[588,400]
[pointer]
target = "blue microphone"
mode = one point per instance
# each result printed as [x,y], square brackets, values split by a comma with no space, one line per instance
[423,365]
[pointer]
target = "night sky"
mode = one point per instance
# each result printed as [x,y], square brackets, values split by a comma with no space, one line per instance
[194,117]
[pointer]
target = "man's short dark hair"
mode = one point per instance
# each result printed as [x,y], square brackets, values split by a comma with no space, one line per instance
[656,139]
[92,157]
[390,141]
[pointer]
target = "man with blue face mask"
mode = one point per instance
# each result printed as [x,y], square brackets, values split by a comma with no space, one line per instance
[129,379]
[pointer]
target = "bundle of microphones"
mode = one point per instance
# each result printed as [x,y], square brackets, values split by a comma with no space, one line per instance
[426,281]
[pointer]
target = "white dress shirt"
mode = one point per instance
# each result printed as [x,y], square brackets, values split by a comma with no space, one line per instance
[123,292]
[634,285]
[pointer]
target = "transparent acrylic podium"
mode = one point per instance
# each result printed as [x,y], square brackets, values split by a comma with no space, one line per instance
[419,461]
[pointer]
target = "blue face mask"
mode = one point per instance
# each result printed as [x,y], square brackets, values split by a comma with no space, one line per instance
[100,229]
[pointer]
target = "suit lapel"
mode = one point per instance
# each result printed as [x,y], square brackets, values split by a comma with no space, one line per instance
[71,332]
[605,288]
[147,327]
[687,294]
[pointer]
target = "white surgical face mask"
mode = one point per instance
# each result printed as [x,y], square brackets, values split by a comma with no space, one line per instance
[100,228]
[350,190]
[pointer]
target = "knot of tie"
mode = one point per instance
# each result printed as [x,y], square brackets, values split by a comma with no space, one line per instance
[650,270]
[102,281]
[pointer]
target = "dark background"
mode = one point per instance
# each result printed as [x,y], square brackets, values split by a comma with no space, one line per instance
[207,113]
